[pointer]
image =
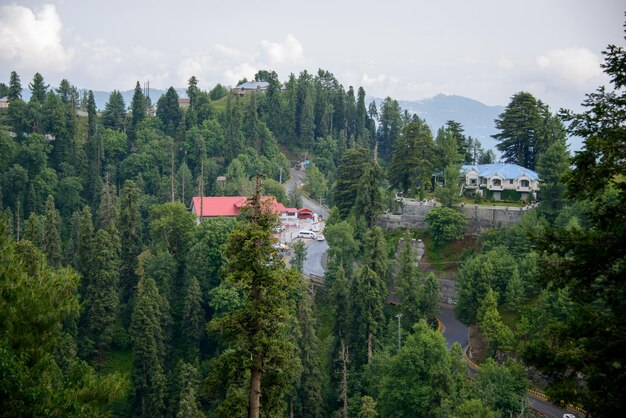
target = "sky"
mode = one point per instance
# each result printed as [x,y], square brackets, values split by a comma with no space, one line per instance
[487,50]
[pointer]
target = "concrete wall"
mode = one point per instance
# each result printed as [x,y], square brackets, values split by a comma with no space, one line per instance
[479,217]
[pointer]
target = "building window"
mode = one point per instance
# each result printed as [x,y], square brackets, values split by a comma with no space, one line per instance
[497,182]
[524,183]
[510,181]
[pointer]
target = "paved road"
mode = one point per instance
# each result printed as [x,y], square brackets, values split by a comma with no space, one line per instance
[296,180]
[314,253]
[453,331]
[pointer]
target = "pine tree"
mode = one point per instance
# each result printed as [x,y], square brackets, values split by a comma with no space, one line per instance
[85,246]
[101,296]
[130,240]
[138,112]
[375,252]
[527,128]
[390,127]
[193,323]
[299,256]
[353,165]
[107,212]
[51,244]
[256,330]
[15,87]
[309,391]
[38,89]
[186,401]
[146,330]
[552,166]
[94,153]
[114,114]
[408,281]
[412,159]
[369,200]
[232,124]
[429,298]
[169,111]
[368,297]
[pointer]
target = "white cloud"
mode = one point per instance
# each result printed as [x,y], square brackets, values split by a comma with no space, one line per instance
[367,81]
[31,40]
[288,52]
[233,75]
[570,65]
[504,63]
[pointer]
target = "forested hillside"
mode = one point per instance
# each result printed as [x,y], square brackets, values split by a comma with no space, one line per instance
[116,301]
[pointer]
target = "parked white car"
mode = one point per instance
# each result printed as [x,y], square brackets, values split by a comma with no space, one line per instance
[307,234]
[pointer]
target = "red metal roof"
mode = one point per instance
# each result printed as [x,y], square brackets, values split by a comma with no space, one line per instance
[231,205]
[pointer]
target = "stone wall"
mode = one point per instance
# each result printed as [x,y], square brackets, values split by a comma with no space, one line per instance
[479,217]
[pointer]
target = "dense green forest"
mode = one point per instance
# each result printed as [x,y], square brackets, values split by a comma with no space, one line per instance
[116,302]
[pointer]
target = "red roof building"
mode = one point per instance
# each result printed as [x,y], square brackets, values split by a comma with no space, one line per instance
[215,206]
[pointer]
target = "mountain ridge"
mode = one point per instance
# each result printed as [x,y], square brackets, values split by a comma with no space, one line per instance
[477,118]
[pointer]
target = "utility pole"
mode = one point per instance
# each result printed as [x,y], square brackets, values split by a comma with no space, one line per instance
[280,177]
[399,316]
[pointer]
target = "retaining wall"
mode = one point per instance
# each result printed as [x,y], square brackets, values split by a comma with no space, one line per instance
[479,218]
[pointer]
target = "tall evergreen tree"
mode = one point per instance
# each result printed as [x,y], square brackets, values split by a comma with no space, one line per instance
[107,212]
[51,244]
[169,111]
[389,127]
[232,124]
[407,286]
[85,246]
[526,129]
[15,87]
[186,401]
[309,401]
[146,330]
[353,165]
[138,110]
[193,324]
[368,297]
[375,252]
[114,114]
[429,298]
[38,89]
[256,329]
[101,296]
[552,166]
[412,159]
[130,240]
[369,200]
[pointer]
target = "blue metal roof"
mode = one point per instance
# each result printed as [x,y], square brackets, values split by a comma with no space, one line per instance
[503,170]
[253,85]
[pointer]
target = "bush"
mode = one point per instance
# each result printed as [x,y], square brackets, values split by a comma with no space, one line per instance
[445,224]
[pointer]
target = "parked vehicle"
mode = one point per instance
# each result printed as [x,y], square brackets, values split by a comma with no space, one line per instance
[307,234]
[320,237]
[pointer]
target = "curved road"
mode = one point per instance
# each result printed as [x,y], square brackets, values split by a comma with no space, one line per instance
[314,253]
[454,331]
[296,180]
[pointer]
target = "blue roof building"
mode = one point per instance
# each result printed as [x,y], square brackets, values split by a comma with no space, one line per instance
[498,177]
[250,86]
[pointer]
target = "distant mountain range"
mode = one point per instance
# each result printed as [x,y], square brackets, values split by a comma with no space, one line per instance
[477,118]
